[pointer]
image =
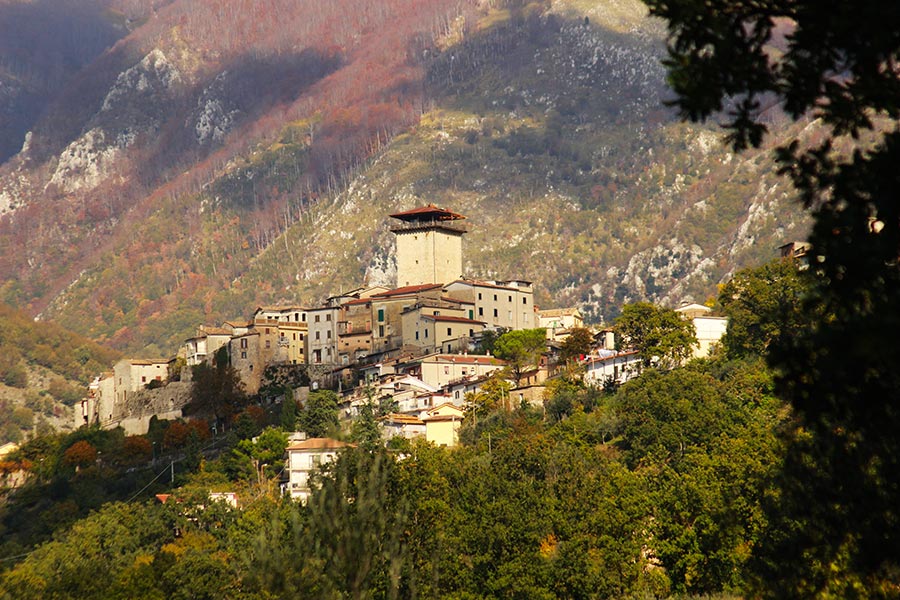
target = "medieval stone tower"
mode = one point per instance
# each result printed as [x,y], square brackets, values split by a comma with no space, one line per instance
[429,246]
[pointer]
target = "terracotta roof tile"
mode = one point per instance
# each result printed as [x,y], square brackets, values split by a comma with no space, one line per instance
[431,211]
[448,319]
[319,444]
[410,289]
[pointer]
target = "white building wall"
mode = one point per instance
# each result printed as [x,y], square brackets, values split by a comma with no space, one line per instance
[620,367]
[709,332]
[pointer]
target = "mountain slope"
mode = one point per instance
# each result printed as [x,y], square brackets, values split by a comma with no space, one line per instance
[165,110]
[545,126]
[44,369]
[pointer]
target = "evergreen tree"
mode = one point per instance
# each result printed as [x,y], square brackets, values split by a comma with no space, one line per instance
[319,416]
[521,349]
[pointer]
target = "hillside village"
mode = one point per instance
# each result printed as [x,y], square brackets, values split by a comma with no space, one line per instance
[334,390]
[414,344]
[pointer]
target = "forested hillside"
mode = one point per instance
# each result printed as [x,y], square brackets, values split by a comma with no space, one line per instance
[658,488]
[653,491]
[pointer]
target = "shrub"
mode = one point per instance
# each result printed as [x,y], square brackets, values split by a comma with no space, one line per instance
[64,392]
[15,376]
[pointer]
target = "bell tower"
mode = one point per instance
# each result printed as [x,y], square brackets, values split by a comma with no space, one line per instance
[429,245]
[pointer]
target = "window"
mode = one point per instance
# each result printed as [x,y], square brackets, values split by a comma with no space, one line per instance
[315,460]
[317,319]
[295,337]
[243,355]
[328,334]
[243,342]
[417,335]
[296,317]
[495,297]
[471,333]
[509,315]
[496,313]
[268,331]
[524,300]
[480,311]
[449,332]
[471,314]
[510,298]
[268,344]
[479,295]
[318,334]
[381,331]
[328,317]
[303,317]
[426,334]
[381,314]
[143,379]
[446,369]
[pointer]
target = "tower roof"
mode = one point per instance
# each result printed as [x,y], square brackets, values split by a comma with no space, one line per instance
[428,213]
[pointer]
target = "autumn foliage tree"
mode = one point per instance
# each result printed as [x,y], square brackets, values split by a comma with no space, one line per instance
[136,449]
[80,454]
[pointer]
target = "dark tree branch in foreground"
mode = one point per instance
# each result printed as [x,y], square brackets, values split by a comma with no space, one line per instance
[835,528]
